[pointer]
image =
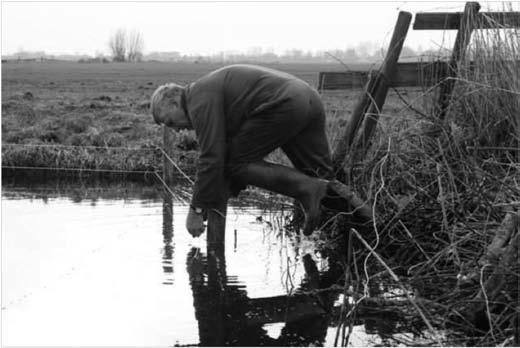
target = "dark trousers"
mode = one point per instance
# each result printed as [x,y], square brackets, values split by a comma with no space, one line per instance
[297,126]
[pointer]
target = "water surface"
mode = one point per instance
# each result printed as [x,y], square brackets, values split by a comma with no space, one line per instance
[91,264]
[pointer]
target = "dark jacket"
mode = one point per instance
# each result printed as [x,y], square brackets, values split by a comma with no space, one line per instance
[217,105]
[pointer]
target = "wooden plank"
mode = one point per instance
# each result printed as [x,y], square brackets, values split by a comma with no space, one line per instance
[408,75]
[342,80]
[419,74]
[437,21]
[452,20]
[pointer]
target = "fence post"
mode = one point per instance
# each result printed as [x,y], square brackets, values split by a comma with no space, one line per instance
[321,81]
[459,49]
[217,228]
[373,97]
[345,142]
[168,169]
[385,77]
[167,225]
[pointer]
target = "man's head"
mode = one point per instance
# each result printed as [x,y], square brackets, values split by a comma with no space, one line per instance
[166,107]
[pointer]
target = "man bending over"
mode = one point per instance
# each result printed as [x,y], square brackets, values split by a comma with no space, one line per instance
[240,114]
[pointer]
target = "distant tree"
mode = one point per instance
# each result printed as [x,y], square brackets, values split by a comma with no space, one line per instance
[117,45]
[134,46]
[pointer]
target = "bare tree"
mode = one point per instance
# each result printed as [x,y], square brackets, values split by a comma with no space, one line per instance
[134,46]
[117,45]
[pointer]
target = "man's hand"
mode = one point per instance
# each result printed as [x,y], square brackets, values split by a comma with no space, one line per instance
[195,223]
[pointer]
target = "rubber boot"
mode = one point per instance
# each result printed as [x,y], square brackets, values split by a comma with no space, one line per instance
[290,182]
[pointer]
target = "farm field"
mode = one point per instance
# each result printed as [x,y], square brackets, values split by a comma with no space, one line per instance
[107,106]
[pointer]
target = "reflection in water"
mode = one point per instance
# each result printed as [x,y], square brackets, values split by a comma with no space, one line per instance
[227,316]
[45,185]
[169,247]
[204,305]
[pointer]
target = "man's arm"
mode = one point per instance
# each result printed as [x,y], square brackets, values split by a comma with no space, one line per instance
[207,114]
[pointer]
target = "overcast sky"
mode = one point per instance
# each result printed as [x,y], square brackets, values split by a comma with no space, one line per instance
[208,27]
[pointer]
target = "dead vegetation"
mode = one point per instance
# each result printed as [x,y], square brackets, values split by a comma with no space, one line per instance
[446,194]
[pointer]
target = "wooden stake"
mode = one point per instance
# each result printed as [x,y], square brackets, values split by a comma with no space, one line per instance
[459,49]
[373,98]
[217,227]
[168,169]
[345,142]
[386,75]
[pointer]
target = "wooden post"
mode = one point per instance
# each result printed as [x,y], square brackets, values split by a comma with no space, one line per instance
[215,310]
[386,75]
[459,50]
[169,249]
[374,96]
[167,218]
[217,227]
[168,169]
[321,80]
[344,143]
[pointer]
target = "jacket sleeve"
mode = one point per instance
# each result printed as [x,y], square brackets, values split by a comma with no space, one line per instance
[207,114]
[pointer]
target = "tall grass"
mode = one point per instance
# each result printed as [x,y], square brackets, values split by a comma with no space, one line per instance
[441,189]
[489,93]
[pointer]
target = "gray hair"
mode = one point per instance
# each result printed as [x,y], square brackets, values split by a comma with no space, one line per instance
[163,98]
